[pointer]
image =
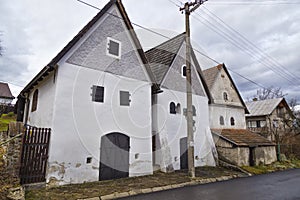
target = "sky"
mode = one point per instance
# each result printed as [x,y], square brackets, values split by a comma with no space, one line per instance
[259,41]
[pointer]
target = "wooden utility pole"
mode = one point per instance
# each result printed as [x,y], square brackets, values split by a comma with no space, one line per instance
[189,117]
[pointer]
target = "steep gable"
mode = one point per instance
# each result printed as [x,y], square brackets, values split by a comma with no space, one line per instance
[219,82]
[5,91]
[123,18]
[166,61]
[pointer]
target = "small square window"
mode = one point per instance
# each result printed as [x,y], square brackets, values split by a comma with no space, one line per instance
[124,98]
[88,160]
[114,48]
[98,93]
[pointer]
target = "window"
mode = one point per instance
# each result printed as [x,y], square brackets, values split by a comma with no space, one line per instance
[194,110]
[183,71]
[232,122]
[258,124]
[178,108]
[113,48]
[124,98]
[225,96]
[98,93]
[35,100]
[221,120]
[172,108]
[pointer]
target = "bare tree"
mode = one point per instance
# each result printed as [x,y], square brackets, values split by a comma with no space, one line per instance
[293,103]
[269,93]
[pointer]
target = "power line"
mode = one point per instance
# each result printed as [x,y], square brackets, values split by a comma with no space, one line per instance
[240,46]
[157,33]
[256,48]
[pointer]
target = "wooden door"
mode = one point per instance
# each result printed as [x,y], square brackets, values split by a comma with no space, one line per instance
[114,156]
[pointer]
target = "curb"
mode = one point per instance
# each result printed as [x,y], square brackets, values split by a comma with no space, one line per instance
[196,181]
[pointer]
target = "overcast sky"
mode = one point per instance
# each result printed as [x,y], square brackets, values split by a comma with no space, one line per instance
[261,44]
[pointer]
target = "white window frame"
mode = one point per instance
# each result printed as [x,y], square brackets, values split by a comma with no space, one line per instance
[107,48]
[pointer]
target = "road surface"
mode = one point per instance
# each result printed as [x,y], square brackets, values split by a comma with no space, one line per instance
[275,186]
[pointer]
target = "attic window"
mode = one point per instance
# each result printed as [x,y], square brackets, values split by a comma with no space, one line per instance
[35,100]
[194,110]
[113,48]
[183,71]
[225,96]
[98,93]
[232,122]
[221,120]
[124,98]
[178,108]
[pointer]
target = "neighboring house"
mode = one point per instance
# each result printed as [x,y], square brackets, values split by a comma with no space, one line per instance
[6,96]
[95,95]
[228,123]
[227,111]
[270,118]
[167,61]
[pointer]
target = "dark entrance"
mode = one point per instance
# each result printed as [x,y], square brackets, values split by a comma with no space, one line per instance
[183,153]
[34,155]
[252,156]
[114,156]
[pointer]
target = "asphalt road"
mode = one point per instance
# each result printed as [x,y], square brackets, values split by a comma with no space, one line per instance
[275,186]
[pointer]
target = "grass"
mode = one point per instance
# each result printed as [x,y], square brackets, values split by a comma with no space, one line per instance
[5,119]
[276,166]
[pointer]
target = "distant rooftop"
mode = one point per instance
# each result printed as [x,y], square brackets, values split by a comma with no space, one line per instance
[263,107]
[5,91]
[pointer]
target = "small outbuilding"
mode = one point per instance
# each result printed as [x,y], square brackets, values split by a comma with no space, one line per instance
[244,148]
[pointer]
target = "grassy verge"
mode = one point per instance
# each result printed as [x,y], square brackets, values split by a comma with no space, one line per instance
[5,119]
[277,166]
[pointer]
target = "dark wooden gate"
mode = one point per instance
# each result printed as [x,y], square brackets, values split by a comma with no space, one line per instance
[114,156]
[34,155]
[183,153]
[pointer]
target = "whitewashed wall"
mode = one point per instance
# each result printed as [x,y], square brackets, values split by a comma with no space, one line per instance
[216,111]
[172,127]
[43,116]
[79,123]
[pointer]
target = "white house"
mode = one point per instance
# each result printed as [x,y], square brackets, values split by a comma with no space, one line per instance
[95,95]
[167,61]
[228,108]
[228,123]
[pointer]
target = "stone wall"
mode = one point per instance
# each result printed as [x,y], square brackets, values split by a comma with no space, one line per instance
[12,147]
[265,155]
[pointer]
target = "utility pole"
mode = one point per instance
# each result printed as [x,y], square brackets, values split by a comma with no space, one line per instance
[189,117]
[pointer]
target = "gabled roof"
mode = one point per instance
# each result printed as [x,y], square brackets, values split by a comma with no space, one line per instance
[242,137]
[5,91]
[210,76]
[265,107]
[50,67]
[162,57]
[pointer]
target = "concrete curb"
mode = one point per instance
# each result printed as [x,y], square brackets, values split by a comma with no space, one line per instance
[196,181]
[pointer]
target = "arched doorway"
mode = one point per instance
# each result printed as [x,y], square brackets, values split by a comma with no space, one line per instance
[114,156]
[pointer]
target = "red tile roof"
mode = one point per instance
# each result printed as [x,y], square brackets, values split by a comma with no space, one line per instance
[242,137]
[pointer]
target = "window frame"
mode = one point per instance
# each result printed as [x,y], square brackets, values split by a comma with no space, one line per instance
[108,48]
[94,93]
[124,94]
[225,96]
[35,98]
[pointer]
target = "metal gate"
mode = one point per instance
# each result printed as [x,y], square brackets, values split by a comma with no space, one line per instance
[34,155]
[114,156]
